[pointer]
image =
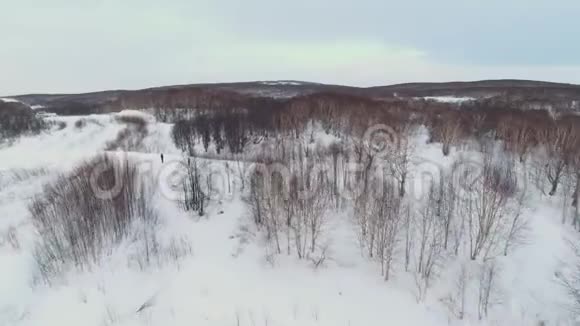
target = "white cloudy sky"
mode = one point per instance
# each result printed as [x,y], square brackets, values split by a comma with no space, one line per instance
[86,45]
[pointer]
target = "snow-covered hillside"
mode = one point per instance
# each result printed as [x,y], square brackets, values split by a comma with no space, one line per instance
[447,99]
[8,100]
[221,274]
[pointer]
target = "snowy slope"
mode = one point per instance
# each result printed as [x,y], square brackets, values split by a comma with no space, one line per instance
[9,100]
[447,99]
[226,278]
[60,147]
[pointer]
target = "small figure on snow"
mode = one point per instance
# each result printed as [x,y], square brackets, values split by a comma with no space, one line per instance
[161,158]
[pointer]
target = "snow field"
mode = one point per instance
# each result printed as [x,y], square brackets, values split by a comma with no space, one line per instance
[226,278]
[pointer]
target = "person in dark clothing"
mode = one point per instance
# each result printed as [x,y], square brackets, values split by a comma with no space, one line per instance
[161,158]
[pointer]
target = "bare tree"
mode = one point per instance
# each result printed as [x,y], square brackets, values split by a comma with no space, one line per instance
[445,202]
[309,201]
[365,201]
[408,227]
[292,201]
[576,192]
[518,136]
[429,251]
[266,199]
[195,198]
[400,156]
[561,144]
[448,131]
[387,213]
[517,226]
[241,169]
[336,150]
[456,301]
[569,279]
[488,290]
[485,205]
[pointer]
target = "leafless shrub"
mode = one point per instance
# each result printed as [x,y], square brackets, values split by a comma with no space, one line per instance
[319,260]
[132,119]
[518,136]
[448,130]
[80,123]
[409,239]
[457,300]
[151,250]
[367,198]
[388,223]
[119,141]
[131,137]
[400,155]
[60,125]
[488,289]
[430,245]
[575,184]
[569,279]
[18,119]
[336,150]
[266,201]
[561,143]
[500,176]
[111,317]
[476,289]
[195,198]
[10,237]
[20,175]
[290,202]
[517,225]
[536,171]
[81,216]
[486,206]
[307,208]
[378,216]
[444,199]
[177,249]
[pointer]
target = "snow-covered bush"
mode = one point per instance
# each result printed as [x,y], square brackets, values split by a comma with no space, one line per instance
[83,215]
[17,119]
[80,123]
[131,137]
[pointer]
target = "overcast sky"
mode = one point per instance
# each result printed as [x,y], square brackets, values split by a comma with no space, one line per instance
[88,45]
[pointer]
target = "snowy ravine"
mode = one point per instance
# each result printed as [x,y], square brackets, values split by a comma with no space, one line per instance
[226,278]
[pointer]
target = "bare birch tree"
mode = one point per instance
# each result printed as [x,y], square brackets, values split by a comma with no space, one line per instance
[429,251]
